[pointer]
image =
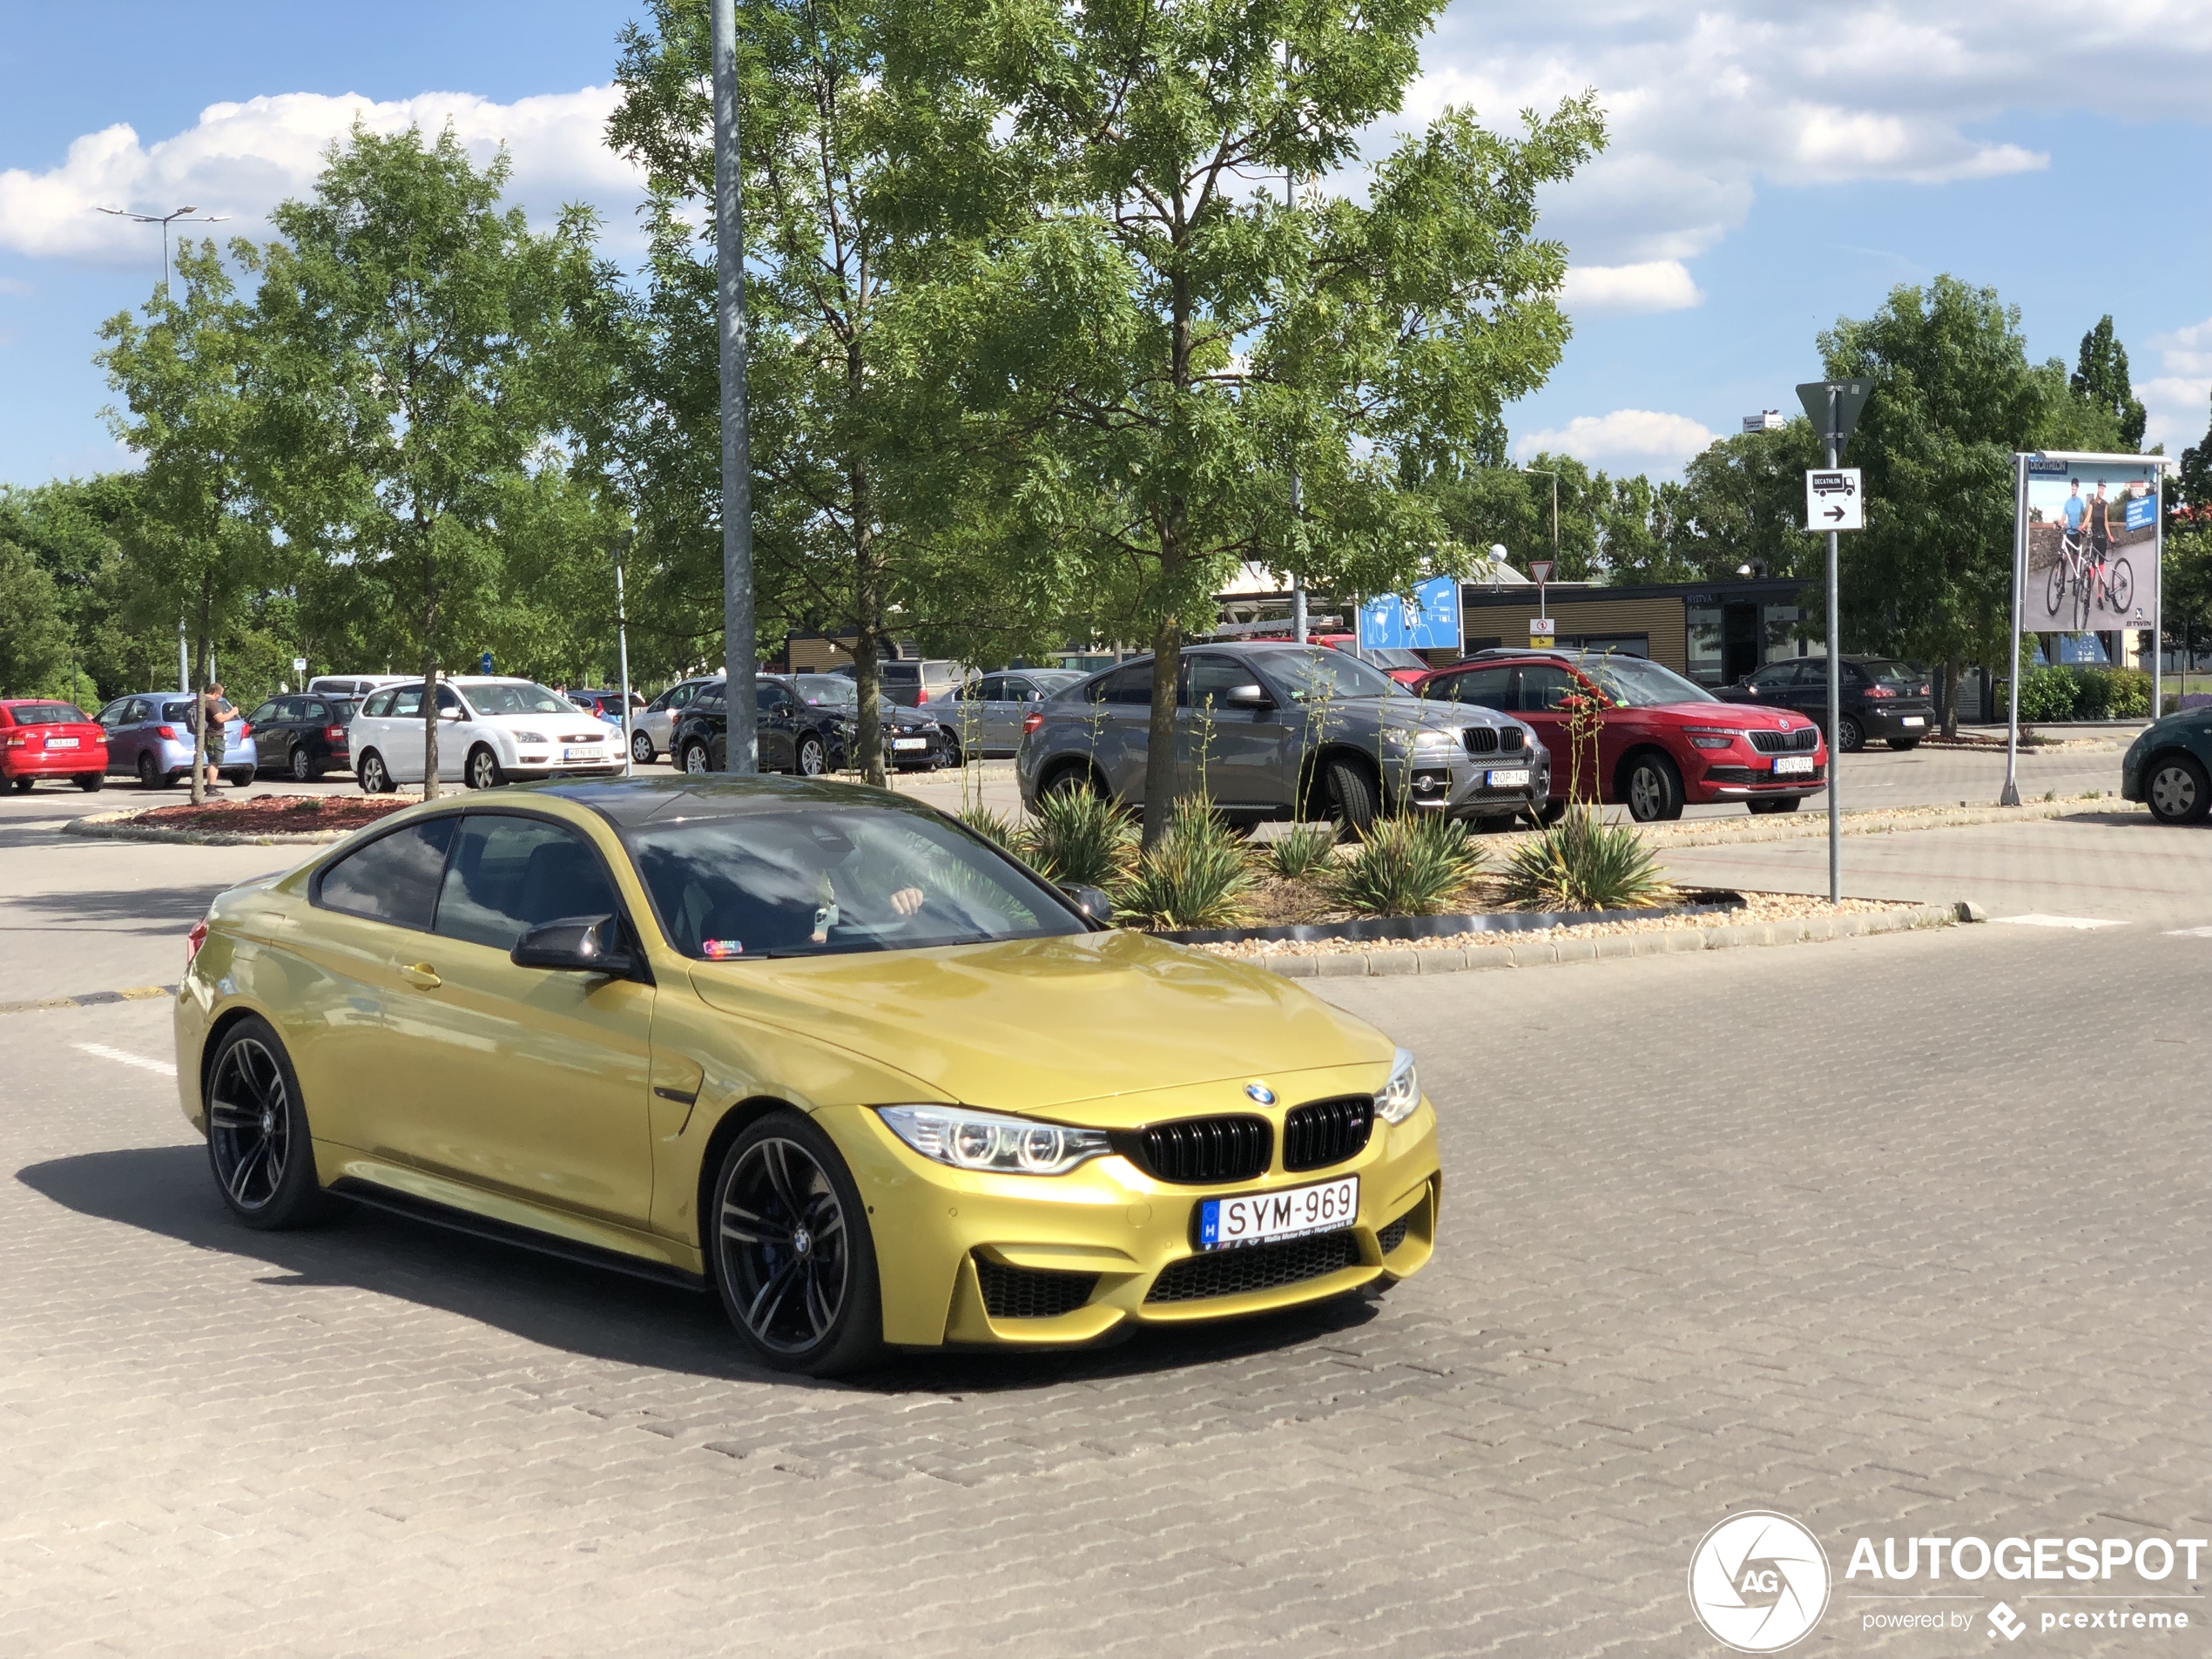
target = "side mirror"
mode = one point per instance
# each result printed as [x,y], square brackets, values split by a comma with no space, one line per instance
[576,944]
[449,714]
[1248,696]
[1097,907]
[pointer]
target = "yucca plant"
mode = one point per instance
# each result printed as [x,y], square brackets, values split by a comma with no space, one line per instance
[1307,847]
[1407,865]
[1195,875]
[1079,839]
[995,828]
[1584,863]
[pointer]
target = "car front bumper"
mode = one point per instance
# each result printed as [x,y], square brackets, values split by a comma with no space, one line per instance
[942,1234]
[1462,789]
[1733,781]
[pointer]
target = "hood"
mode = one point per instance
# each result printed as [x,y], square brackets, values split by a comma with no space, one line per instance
[1040,1025]
[1421,712]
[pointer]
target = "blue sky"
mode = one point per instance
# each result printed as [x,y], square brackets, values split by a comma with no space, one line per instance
[1774,166]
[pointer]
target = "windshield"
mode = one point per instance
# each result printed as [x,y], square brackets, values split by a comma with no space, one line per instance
[821,881]
[832,689]
[518,699]
[49,714]
[1317,674]
[1640,682]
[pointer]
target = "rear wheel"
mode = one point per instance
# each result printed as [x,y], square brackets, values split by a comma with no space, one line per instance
[149,774]
[302,769]
[1850,737]
[1352,798]
[258,1142]
[91,782]
[1789,805]
[1653,789]
[22,784]
[696,758]
[1071,780]
[485,771]
[375,776]
[2177,790]
[239,777]
[788,1242]
[812,759]
[641,748]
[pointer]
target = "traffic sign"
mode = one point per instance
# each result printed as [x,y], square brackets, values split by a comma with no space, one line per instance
[1540,571]
[298,665]
[1834,500]
[1540,630]
[1850,398]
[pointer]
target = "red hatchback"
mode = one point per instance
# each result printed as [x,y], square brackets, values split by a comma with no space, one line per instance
[1663,742]
[41,738]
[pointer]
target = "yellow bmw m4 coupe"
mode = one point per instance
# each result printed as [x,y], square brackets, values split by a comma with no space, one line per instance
[812,1047]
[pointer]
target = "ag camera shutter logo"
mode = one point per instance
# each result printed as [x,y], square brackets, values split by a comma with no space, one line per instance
[1758,1581]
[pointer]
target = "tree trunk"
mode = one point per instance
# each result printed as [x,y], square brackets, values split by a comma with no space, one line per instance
[1954,670]
[1160,768]
[199,677]
[868,615]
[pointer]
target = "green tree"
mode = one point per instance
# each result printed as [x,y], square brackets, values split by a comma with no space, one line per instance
[1150,341]
[430,347]
[73,531]
[35,637]
[199,545]
[1742,500]
[2101,381]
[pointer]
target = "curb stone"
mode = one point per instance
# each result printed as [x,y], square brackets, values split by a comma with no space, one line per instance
[1355,964]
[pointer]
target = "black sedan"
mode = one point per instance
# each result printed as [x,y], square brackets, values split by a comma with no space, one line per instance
[304,736]
[1884,699]
[794,736]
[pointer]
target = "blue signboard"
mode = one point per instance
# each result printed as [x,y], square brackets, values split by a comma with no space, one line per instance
[1427,619]
[2142,510]
[2085,649]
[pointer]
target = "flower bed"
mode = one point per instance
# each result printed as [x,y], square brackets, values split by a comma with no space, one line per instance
[272,814]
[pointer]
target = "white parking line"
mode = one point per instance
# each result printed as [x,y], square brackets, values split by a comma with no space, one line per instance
[125,1057]
[2037,919]
[2188,933]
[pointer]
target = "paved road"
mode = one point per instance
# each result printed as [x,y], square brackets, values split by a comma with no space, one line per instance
[1837,1229]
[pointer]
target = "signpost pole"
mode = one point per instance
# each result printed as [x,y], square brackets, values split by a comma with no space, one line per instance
[1835,679]
[2010,795]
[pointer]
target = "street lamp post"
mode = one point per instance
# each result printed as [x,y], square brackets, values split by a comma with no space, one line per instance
[621,648]
[165,220]
[742,748]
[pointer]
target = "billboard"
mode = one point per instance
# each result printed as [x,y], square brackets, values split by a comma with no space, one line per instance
[2091,527]
[1426,619]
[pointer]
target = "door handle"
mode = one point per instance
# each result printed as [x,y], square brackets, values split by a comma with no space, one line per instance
[421,976]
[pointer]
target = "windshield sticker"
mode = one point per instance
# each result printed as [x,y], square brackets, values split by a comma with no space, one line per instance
[716,950]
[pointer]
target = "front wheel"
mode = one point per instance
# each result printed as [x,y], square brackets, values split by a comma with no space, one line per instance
[812,759]
[641,748]
[258,1142]
[1850,735]
[2055,590]
[1653,789]
[791,1251]
[695,759]
[1549,813]
[375,776]
[2177,790]
[1765,806]
[149,774]
[1351,792]
[485,771]
[2120,586]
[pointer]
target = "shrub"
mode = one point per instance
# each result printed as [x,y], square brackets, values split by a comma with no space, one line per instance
[1308,848]
[2126,693]
[2048,694]
[1080,839]
[1407,865]
[995,828]
[1195,875]
[1584,863]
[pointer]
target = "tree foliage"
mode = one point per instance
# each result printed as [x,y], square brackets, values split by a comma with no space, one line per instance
[2100,380]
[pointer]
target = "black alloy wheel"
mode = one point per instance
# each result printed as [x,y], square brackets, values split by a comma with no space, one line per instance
[790,1250]
[149,774]
[303,770]
[695,759]
[641,748]
[376,776]
[1071,780]
[484,769]
[1653,789]
[954,755]
[1850,735]
[2177,790]
[812,759]
[258,1142]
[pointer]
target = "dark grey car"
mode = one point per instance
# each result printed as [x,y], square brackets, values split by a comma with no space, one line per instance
[1282,731]
[988,710]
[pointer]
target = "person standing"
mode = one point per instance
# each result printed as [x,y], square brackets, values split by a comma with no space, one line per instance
[216,712]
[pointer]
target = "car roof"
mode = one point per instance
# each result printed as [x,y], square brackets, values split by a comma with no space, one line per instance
[635,803]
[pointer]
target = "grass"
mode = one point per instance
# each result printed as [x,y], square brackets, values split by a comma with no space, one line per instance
[1407,865]
[1583,863]
[1197,874]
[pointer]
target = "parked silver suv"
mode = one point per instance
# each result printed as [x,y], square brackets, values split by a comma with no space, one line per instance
[1281,730]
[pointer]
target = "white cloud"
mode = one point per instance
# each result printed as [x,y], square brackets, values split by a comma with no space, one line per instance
[1646,437]
[1706,100]
[2178,400]
[1655,285]
[9,286]
[240,159]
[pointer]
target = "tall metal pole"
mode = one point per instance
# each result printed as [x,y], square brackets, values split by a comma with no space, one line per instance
[2010,795]
[622,646]
[1298,582]
[184,659]
[1835,678]
[743,747]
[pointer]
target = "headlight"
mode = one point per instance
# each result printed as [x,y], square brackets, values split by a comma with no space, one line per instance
[1402,1093]
[1432,741]
[529,736]
[1709,736]
[969,1140]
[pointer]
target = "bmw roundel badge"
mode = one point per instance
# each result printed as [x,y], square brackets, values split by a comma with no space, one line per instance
[1260,1093]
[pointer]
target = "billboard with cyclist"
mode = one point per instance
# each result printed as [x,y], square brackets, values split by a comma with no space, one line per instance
[2091,543]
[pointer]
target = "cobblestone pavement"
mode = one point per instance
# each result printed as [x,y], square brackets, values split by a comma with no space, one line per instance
[1904,1235]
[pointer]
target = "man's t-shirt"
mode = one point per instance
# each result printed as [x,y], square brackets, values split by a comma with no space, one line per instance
[2074,508]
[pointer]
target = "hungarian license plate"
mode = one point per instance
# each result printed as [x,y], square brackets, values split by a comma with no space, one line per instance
[1258,1217]
[1506,777]
[589,752]
[1793,765]
[910,743]
[61,743]
[1914,720]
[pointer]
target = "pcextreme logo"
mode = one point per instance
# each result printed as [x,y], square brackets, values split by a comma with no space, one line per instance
[1758,1581]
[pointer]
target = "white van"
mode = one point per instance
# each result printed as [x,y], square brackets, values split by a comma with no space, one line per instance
[490,730]
[356,685]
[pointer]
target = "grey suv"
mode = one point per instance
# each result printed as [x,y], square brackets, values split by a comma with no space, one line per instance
[1282,731]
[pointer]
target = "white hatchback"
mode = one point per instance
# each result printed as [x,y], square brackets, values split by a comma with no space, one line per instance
[490,730]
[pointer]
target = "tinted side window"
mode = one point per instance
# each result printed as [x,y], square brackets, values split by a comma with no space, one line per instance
[1545,687]
[1213,677]
[710,699]
[378,706]
[1487,688]
[511,874]
[407,705]
[1132,685]
[394,879]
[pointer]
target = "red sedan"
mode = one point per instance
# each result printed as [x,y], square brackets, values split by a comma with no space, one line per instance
[41,738]
[1661,742]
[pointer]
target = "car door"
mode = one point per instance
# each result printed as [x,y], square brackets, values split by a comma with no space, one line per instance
[121,742]
[977,712]
[778,727]
[1771,687]
[1540,692]
[458,733]
[398,736]
[526,1081]
[1236,756]
[1122,723]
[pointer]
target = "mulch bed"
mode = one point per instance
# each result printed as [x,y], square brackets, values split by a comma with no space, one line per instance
[273,814]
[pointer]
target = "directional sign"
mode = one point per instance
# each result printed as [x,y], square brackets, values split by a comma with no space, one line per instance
[1426,619]
[1834,500]
[1851,398]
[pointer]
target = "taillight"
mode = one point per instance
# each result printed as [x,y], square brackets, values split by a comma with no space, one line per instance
[17,739]
[922,694]
[194,940]
[244,732]
[1880,691]
[334,733]
[1030,721]
[166,733]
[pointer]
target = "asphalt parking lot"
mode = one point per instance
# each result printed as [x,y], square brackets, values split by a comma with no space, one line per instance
[1901,1234]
